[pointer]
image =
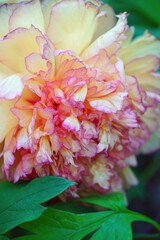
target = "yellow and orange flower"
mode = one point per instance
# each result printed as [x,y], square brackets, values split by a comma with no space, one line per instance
[78,97]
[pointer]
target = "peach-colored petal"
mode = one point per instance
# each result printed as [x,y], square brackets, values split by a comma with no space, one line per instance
[23,139]
[80,95]
[88,149]
[100,172]
[136,94]
[55,143]
[35,63]
[88,129]
[9,157]
[151,118]
[68,156]
[101,175]
[23,115]
[44,153]
[71,123]
[112,103]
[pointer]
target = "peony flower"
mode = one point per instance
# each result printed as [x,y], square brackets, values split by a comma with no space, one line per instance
[78,96]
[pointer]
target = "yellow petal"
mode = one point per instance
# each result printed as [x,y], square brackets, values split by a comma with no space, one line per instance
[16,46]
[107,39]
[16,15]
[71,24]
[140,47]
[105,20]
[7,119]
[27,14]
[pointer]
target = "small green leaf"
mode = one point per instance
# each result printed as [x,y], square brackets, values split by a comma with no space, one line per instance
[21,202]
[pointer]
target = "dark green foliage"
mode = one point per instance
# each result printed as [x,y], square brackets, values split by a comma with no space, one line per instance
[21,202]
[112,224]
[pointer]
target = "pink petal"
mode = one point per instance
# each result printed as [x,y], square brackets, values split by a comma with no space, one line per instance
[71,123]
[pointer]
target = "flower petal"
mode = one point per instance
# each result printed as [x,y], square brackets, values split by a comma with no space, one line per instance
[71,123]
[11,87]
[35,63]
[16,46]
[19,17]
[71,24]
[110,104]
[105,20]
[107,39]
[15,15]
[140,47]
[7,119]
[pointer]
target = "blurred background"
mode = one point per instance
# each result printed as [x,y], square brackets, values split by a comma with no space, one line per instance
[144,198]
[143,14]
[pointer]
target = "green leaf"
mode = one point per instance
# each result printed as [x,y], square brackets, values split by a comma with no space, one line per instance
[3,237]
[151,9]
[20,202]
[114,224]
[60,225]
[148,9]
[117,228]
[114,201]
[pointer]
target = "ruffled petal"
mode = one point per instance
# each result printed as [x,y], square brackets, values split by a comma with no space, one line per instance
[140,47]
[105,20]
[110,104]
[16,46]
[107,39]
[15,15]
[71,123]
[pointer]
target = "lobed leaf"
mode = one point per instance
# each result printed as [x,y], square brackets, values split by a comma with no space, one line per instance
[21,202]
[113,224]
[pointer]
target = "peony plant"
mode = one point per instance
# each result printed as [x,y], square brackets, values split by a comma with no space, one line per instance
[78,95]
